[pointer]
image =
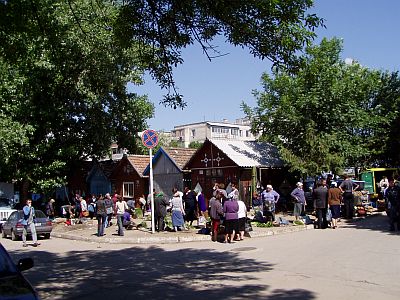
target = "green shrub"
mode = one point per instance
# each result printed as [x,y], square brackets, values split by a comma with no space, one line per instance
[298,222]
[138,212]
[268,224]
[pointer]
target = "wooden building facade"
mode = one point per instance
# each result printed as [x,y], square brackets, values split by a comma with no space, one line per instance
[127,178]
[168,169]
[245,163]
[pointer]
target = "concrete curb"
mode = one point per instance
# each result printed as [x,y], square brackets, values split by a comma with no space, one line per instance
[137,240]
[278,230]
[174,239]
[169,238]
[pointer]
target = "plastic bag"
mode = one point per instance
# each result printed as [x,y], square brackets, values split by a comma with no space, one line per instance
[328,215]
[201,221]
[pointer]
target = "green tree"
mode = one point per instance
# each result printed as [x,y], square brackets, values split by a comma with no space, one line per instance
[195,145]
[323,117]
[270,29]
[64,87]
[387,102]
[176,144]
[65,66]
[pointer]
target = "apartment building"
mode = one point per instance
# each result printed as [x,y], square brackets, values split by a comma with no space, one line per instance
[240,130]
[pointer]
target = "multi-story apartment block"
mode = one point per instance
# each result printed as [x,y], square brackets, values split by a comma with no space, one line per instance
[240,130]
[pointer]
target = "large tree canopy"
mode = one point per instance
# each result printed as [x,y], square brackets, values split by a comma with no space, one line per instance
[272,29]
[323,118]
[65,64]
[387,101]
[63,87]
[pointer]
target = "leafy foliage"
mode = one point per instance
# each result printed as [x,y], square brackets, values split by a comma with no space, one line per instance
[65,66]
[64,86]
[272,29]
[323,117]
[195,145]
[387,103]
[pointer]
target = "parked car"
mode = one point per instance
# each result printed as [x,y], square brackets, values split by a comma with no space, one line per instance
[13,226]
[13,285]
[7,207]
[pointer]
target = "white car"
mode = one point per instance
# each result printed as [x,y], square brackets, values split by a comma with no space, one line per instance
[6,209]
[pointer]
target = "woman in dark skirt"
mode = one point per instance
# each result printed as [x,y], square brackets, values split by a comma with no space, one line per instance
[231,208]
[190,202]
[241,220]
[334,200]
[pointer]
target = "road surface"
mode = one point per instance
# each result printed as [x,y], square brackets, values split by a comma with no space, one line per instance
[357,261]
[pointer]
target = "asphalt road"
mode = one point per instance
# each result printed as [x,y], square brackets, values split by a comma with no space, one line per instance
[357,261]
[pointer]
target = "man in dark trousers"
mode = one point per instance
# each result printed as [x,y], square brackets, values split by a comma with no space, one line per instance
[392,199]
[320,195]
[347,187]
[160,211]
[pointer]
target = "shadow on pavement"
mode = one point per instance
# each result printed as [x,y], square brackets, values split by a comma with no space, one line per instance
[152,273]
[377,223]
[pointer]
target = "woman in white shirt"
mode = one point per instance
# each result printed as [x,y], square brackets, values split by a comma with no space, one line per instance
[84,208]
[242,220]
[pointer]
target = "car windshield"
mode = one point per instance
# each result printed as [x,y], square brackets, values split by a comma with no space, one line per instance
[4,202]
[7,267]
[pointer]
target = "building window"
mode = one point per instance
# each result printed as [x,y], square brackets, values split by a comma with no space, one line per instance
[248,133]
[193,132]
[234,131]
[128,189]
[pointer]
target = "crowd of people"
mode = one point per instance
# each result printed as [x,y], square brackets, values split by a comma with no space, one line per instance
[188,206]
[330,203]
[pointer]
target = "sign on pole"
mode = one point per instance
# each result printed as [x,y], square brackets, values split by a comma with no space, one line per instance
[150,140]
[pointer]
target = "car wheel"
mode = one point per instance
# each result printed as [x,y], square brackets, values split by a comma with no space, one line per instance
[3,234]
[47,235]
[14,237]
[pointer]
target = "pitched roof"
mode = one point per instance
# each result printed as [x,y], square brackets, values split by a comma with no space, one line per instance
[106,166]
[139,163]
[180,156]
[250,153]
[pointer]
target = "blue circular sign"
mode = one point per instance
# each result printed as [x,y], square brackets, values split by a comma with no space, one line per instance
[150,138]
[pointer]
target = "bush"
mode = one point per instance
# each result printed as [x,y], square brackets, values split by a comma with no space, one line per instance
[138,212]
[298,222]
[268,224]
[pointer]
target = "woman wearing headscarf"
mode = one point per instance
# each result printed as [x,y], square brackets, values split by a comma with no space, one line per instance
[300,200]
[177,211]
[269,198]
[189,198]
[231,208]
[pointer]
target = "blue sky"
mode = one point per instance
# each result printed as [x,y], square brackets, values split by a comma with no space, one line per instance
[214,90]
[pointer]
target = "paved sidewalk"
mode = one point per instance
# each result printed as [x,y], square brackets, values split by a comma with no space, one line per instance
[87,232]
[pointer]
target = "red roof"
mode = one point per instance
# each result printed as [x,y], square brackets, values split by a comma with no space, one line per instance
[139,162]
[180,155]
